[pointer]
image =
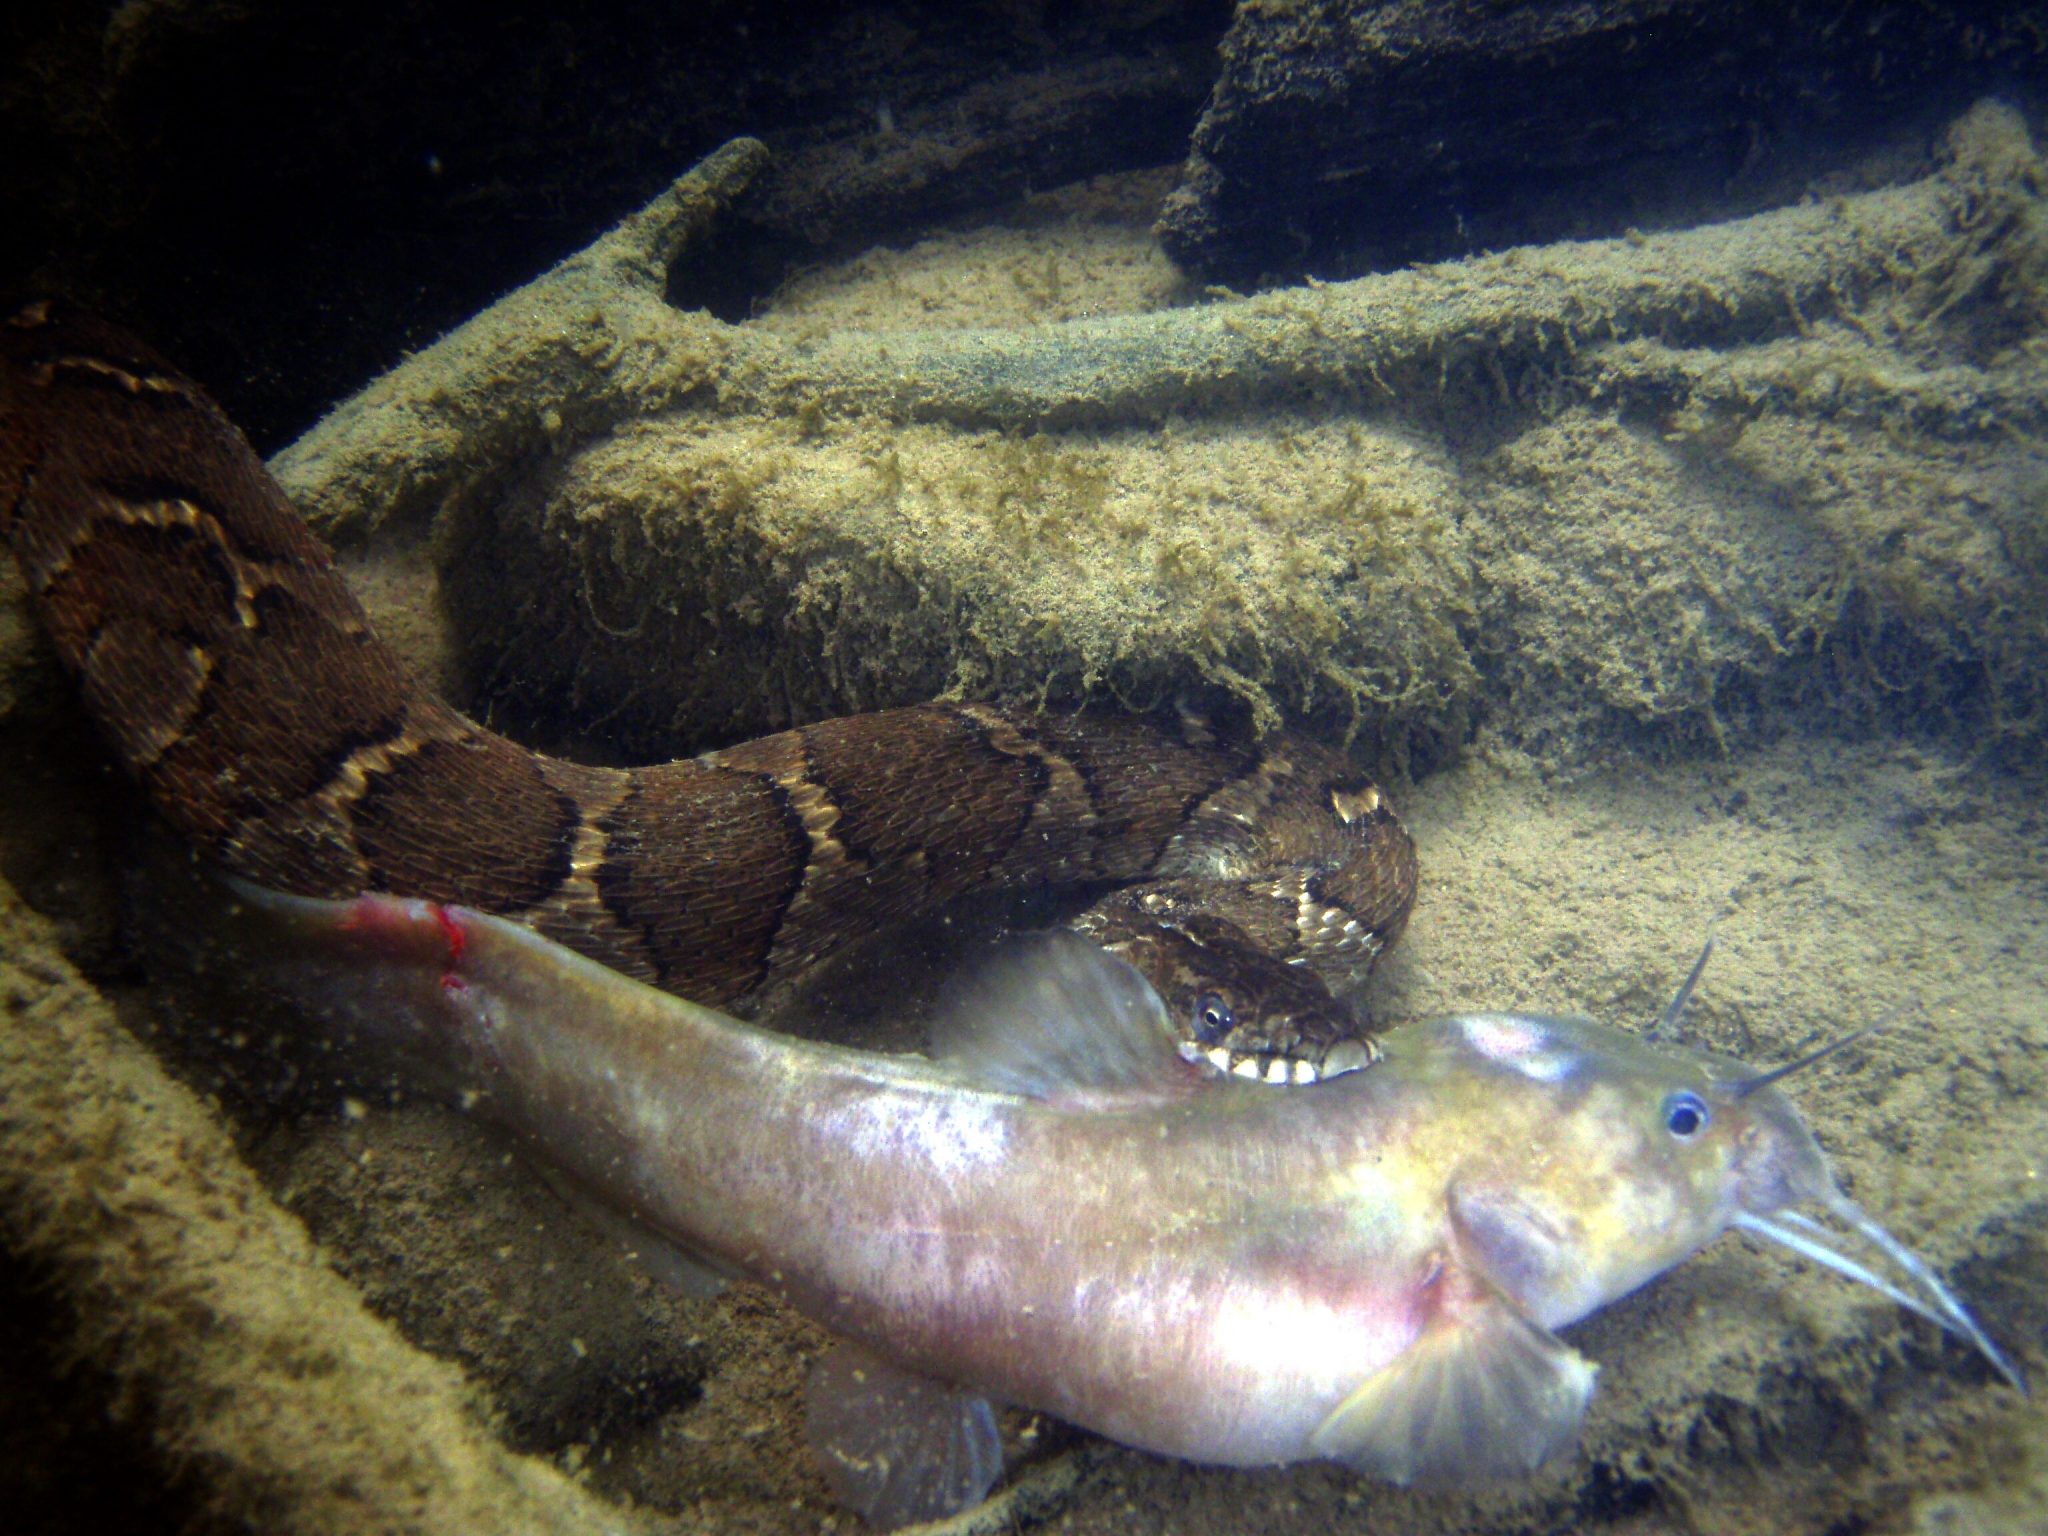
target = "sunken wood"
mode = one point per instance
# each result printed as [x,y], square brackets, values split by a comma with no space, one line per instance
[241,684]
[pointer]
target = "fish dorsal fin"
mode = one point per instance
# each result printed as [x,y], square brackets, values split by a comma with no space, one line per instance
[898,1448]
[1485,1391]
[1052,1016]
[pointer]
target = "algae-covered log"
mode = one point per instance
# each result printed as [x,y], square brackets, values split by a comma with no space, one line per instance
[585,344]
[255,1368]
[1666,478]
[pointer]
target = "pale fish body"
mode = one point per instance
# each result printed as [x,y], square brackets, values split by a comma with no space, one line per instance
[1057,1212]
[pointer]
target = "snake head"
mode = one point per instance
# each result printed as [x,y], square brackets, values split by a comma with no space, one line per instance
[1238,1008]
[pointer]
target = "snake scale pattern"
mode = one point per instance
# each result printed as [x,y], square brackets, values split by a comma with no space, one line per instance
[241,684]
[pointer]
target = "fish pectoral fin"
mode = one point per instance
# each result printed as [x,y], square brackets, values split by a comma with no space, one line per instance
[897,1447]
[1484,1392]
[1504,1236]
[1054,1016]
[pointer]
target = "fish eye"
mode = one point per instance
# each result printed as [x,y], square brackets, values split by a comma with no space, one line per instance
[1685,1114]
[1213,1018]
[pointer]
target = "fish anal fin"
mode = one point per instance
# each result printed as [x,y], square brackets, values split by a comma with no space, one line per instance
[673,1263]
[1484,1391]
[898,1448]
[1053,1016]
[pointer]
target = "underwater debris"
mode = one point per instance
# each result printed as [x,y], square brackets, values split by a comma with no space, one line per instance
[1565,490]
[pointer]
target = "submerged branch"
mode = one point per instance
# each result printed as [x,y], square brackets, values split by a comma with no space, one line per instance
[588,343]
[591,343]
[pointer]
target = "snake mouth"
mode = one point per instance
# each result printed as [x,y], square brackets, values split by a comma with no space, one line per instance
[1271,1067]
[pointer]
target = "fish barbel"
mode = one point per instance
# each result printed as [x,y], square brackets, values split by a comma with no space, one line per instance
[1055,1211]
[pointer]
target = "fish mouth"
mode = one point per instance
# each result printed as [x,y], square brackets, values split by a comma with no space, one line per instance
[1918,1289]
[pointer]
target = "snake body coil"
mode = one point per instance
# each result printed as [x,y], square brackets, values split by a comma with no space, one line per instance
[242,686]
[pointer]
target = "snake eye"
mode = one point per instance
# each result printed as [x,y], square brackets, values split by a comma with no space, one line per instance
[1685,1114]
[1213,1018]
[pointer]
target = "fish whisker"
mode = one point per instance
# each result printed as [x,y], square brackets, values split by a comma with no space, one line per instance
[1749,1085]
[1810,1239]
[1668,1020]
[1841,1264]
[1930,1283]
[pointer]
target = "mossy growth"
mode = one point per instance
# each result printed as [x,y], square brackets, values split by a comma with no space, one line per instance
[1549,493]
[1306,567]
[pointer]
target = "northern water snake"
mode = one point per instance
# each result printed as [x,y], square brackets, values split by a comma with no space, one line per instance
[241,684]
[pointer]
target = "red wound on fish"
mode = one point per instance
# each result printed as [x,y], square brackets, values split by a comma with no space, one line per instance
[405,925]
[452,932]
[360,917]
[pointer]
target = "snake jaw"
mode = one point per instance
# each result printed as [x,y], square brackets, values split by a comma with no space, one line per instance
[1345,1056]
